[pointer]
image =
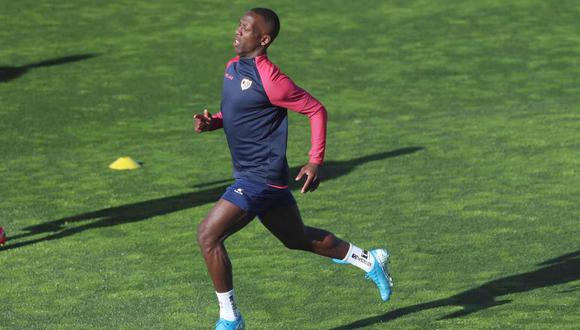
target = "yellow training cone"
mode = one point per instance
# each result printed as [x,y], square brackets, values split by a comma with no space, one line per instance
[124,163]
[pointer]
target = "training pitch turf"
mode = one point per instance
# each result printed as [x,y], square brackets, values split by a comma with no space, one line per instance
[454,131]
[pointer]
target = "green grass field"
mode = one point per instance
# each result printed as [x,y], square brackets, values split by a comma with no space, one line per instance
[454,131]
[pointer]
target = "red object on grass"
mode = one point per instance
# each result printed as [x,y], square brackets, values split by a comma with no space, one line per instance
[2,236]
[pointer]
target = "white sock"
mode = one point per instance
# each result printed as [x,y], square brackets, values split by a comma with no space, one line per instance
[359,258]
[228,308]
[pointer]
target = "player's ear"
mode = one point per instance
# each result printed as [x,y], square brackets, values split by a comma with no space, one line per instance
[266,40]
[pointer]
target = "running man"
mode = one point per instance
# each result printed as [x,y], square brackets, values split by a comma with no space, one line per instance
[253,114]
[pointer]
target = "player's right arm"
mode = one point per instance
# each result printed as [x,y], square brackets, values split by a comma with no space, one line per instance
[207,122]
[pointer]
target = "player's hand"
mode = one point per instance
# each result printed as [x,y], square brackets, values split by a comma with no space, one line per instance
[312,179]
[202,122]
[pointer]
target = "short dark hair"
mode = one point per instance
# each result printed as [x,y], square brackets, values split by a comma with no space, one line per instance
[270,18]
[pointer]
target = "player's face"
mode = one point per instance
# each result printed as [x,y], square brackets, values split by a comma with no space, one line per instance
[248,38]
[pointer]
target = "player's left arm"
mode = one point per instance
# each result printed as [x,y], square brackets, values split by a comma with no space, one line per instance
[318,118]
[283,92]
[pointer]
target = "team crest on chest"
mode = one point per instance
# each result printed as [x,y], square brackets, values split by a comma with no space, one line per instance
[246,83]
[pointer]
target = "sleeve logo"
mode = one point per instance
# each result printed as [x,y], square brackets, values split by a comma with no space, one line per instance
[246,83]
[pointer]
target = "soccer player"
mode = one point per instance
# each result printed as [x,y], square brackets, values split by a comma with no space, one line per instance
[253,114]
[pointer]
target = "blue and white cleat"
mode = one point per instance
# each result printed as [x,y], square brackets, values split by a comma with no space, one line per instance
[339,261]
[238,324]
[380,273]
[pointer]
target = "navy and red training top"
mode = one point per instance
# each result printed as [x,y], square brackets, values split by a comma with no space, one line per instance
[253,113]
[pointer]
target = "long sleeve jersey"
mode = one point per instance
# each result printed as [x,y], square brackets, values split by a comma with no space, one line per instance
[253,113]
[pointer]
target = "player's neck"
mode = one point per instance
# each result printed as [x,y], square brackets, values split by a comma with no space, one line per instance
[254,54]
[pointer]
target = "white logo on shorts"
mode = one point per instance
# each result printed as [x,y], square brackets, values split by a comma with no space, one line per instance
[246,83]
[239,191]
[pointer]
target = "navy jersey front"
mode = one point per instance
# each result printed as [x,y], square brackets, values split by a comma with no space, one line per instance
[253,113]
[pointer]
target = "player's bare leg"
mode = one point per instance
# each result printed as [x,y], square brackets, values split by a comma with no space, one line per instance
[286,224]
[224,219]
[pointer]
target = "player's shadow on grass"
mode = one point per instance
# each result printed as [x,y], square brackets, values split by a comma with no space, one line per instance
[8,73]
[210,193]
[560,270]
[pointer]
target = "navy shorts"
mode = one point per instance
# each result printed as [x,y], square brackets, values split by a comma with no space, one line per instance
[257,198]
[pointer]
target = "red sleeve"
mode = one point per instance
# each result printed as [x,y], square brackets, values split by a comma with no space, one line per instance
[282,92]
[232,60]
